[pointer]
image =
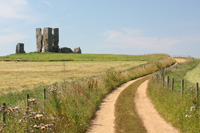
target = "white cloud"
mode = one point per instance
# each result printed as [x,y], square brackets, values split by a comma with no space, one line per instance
[133,38]
[14,9]
[12,38]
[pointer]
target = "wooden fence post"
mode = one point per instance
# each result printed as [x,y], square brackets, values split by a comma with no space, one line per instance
[167,81]
[197,89]
[4,112]
[27,97]
[44,96]
[172,84]
[182,86]
[162,76]
[163,80]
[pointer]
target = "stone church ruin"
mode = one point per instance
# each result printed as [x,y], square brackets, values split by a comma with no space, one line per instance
[50,41]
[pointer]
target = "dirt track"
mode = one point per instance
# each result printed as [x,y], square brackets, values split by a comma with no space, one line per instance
[153,122]
[104,121]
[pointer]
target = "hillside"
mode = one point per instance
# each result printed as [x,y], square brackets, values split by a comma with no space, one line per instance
[37,57]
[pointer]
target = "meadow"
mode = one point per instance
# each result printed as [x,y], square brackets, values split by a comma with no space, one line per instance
[17,76]
[69,105]
[194,75]
[47,57]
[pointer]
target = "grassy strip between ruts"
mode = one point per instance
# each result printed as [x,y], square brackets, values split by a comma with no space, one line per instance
[183,111]
[127,119]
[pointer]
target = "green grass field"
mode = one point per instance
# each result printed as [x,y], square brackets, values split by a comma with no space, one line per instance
[194,75]
[80,57]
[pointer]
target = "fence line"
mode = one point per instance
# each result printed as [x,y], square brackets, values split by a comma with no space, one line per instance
[182,84]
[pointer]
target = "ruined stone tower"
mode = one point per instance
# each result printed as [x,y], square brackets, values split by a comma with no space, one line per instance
[56,40]
[20,48]
[50,40]
[39,39]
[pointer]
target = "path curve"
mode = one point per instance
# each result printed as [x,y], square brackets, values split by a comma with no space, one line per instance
[179,60]
[153,122]
[105,116]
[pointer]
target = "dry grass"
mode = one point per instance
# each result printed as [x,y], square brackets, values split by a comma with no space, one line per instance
[26,75]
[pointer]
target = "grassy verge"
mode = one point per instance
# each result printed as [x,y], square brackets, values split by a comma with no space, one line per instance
[194,75]
[127,119]
[183,111]
[69,106]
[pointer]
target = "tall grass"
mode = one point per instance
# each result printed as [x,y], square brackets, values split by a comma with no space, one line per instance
[183,111]
[69,106]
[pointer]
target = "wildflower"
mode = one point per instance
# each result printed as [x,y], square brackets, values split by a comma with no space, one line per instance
[192,108]
[32,101]
[37,127]
[34,113]
[53,88]
[10,109]
[4,125]
[50,125]
[16,108]
[188,115]
[42,127]
[20,121]
[38,116]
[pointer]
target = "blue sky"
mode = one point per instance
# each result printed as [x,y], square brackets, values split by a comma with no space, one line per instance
[105,26]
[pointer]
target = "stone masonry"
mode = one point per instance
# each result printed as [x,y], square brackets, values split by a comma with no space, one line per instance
[77,50]
[56,40]
[50,41]
[20,48]
[39,39]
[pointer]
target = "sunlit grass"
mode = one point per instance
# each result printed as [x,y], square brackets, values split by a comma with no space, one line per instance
[194,75]
[80,57]
[183,111]
[24,75]
[73,104]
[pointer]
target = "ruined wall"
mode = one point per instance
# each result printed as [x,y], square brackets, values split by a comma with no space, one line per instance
[48,39]
[65,50]
[77,50]
[39,39]
[56,40]
[20,48]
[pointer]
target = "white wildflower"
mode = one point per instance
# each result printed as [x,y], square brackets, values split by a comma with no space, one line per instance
[192,108]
